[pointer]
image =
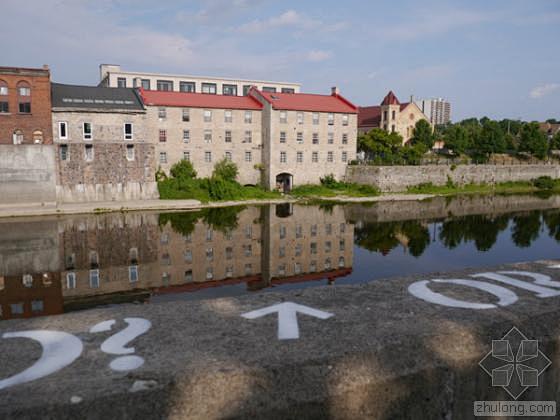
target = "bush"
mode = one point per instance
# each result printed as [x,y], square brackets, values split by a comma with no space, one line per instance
[160,175]
[225,170]
[183,170]
[329,181]
[544,183]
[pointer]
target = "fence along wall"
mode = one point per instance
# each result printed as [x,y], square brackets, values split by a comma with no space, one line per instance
[398,178]
[27,174]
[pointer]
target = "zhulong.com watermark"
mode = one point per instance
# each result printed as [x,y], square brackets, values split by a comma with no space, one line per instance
[515,364]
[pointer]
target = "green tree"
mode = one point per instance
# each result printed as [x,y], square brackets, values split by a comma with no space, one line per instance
[183,170]
[381,146]
[423,134]
[457,139]
[555,142]
[533,140]
[226,170]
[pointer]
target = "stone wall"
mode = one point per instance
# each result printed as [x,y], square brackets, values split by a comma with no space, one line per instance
[27,174]
[398,178]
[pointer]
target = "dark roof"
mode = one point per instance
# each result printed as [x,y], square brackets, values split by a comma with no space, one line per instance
[390,99]
[93,97]
[369,116]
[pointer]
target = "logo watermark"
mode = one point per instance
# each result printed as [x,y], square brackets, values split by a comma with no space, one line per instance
[515,364]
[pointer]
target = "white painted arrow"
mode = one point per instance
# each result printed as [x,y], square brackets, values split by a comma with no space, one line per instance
[288,328]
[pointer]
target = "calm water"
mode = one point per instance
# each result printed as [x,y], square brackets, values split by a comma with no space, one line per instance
[59,264]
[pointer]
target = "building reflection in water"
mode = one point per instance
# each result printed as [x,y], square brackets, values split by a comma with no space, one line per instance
[113,258]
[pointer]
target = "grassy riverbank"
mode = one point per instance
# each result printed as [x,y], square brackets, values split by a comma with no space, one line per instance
[542,184]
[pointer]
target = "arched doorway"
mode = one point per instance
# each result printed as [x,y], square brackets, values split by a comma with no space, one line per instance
[284,182]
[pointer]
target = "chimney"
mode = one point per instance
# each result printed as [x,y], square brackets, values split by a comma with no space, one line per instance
[335,91]
[45,66]
[411,98]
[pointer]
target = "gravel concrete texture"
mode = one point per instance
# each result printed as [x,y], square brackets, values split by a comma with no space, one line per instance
[384,354]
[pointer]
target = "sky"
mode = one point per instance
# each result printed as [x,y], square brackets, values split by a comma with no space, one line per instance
[496,58]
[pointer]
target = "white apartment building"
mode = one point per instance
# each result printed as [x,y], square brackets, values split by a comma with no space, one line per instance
[438,110]
[111,75]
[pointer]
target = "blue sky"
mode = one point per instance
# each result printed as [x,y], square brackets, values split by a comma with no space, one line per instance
[495,58]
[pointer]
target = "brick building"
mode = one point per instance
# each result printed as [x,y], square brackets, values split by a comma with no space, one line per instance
[103,153]
[391,115]
[25,106]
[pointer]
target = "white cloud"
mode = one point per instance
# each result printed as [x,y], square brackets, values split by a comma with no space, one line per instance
[290,19]
[318,55]
[543,90]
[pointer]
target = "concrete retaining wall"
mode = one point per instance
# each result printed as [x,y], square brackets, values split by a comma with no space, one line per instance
[107,192]
[27,174]
[398,178]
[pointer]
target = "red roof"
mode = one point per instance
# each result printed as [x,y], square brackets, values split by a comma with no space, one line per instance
[198,100]
[369,116]
[309,102]
[390,99]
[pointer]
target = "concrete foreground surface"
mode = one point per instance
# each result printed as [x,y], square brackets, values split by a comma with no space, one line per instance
[383,353]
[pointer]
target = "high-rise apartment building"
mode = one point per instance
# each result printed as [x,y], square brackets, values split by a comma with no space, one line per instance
[438,110]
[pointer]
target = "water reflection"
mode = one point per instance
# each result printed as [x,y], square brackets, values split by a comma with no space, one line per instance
[52,265]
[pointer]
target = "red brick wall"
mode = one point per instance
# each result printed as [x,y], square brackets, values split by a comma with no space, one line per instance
[40,116]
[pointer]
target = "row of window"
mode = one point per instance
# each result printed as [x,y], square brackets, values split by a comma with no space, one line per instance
[94,278]
[228,137]
[190,87]
[312,266]
[207,115]
[89,153]
[314,157]
[313,230]
[37,307]
[87,131]
[24,97]
[315,118]
[207,156]
[23,88]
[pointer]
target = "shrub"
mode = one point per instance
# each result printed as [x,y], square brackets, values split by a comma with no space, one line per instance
[226,170]
[544,183]
[450,183]
[329,181]
[183,170]
[160,175]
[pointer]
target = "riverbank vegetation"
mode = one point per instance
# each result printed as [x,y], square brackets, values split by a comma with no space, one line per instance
[330,187]
[541,184]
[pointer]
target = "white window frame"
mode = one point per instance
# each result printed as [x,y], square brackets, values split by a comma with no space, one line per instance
[315,118]
[331,118]
[186,136]
[187,155]
[228,136]
[299,157]
[60,125]
[283,117]
[186,115]
[87,136]
[128,137]
[164,155]
[228,155]
[208,136]
[330,157]
[248,117]
[228,116]
[133,274]
[299,137]
[283,157]
[248,156]
[71,280]
[207,115]
[344,157]
[94,274]
[282,137]
[248,137]
[345,119]
[208,156]
[315,157]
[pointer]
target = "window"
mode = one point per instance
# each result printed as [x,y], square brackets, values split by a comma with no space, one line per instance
[331,119]
[229,90]
[342,228]
[229,271]
[227,136]
[247,250]
[63,152]
[282,137]
[345,138]
[385,115]
[229,252]
[3,88]
[313,230]
[187,87]
[330,138]
[393,115]
[315,157]
[299,137]
[186,115]
[4,107]
[299,231]
[315,118]
[70,280]
[299,157]
[188,275]
[282,232]
[313,266]
[344,156]
[393,128]
[162,113]
[186,136]
[269,89]
[209,234]
[25,107]
[209,273]
[313,248]
[128,131]
[328,246]
[162,157]
[248,117]
[328,264]
[248,232]
[282,252]
[345,119]
[283,158]
[27,280]
[229,156]
[298,250]
[207,157]
[209,254]
[207,136]
[18,137]
[187,156]
[315,138]
[248,137]
[121,82]
[165,85]
[300,117]
[94,279]
[341,261]
[162,135]
[248,269]
[129,152]
[23,89]
[228,116]
[248,157]
[16,308]
[88,156]
[145,83]
[283,117]
[246,89]
[209,88]
[288,90]
[62,130]
[330,157]
[207,115]
[133,273]
[282,270]
[341,245]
